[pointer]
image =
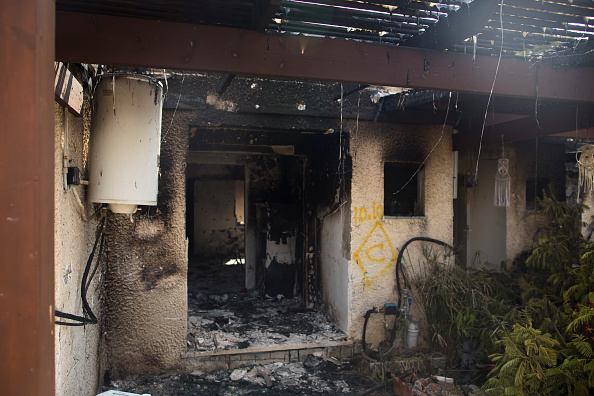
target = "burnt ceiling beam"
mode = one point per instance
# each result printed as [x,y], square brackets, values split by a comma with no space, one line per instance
[267,9]
[458,26]
[349,90]
[554,121]
[552,7]
[551,122]
[224,83]
[99,39]
[406,100]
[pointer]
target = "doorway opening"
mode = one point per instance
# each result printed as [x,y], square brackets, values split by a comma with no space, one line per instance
[252,264]
[215,207]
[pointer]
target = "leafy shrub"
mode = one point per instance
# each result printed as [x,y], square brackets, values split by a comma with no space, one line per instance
[549,351]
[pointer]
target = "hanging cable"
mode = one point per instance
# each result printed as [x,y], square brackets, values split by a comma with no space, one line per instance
[176,106]
[432,149]
[491,92]
[89,317]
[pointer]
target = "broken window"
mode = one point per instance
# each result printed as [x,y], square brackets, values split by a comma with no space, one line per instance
[403,189]
[534,192]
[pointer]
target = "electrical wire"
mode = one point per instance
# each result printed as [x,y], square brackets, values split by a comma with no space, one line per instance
[432,149]
[89,317]
[176,106]
[492,88]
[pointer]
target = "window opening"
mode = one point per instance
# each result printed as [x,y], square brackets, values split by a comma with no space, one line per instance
[403,189]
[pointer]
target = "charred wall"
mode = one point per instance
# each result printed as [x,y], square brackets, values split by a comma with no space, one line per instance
[145,286]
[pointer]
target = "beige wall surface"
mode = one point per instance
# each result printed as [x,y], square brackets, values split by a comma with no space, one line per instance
[375,239]
[77,348]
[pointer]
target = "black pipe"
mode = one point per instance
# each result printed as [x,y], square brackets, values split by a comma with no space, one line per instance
[366,316]
[89,317]
[399,261]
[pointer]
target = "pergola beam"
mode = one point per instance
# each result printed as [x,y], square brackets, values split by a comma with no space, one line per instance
[27,198]
[148,43]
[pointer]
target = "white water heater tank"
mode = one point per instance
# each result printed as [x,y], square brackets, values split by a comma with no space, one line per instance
[125,142]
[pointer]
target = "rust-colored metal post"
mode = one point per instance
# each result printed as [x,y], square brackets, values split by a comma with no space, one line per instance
[26,197]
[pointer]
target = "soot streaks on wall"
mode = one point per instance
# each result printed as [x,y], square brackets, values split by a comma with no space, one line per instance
[375,239]
[147,270]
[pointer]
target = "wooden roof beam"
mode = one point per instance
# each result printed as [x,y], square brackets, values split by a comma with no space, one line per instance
[100,39]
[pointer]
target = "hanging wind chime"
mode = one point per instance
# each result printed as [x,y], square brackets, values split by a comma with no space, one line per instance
[502,180]
[585,164]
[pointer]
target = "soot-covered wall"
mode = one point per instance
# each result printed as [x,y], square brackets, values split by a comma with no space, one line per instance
[146,280]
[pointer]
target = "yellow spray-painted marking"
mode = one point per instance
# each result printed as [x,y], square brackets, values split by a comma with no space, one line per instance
[382,252]
[377,260]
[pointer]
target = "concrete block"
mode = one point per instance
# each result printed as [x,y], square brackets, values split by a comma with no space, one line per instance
[267,361]
[233,364]
[261,356]
[357,348]
[346,351]
[280,356]
[334,351]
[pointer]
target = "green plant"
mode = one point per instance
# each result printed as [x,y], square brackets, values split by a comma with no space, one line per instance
[522,369]
[557,249]
[458,303]
[550,349]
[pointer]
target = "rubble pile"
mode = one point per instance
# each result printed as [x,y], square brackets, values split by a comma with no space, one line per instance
[245,320]
[222,315]
[315,376]
[411,385]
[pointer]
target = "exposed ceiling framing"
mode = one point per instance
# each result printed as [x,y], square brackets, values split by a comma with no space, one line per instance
[529,27]
[137,42]
[435,48]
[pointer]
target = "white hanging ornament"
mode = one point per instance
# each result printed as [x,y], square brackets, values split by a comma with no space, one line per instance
[502,183]
[585,164]
[502,180]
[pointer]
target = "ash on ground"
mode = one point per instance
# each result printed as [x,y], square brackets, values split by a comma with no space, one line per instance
[314,377]
[223,315]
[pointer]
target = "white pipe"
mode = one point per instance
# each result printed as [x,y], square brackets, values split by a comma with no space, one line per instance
[81,206]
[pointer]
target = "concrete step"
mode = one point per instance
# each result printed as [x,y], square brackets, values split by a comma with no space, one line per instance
[234,358]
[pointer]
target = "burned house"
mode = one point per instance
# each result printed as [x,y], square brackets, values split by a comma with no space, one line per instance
[291,173]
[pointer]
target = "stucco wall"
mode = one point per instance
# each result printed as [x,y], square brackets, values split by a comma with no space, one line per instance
[146,280]
[334,264]
[76,347]
[528,161]
[372,144]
